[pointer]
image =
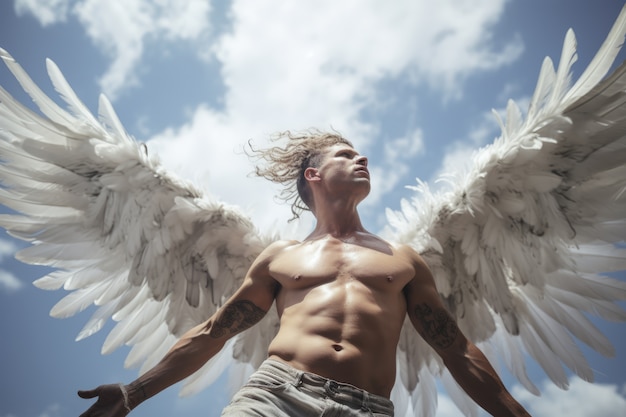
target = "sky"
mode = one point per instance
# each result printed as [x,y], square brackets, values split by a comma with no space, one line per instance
[411,83]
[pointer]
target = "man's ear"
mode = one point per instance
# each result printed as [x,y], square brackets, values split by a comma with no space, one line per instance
[312,174]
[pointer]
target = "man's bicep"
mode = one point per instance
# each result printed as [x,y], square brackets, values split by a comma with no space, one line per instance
[235,317]
[244,309]
[434,324]
[427,312]
[259,286]
[249,304]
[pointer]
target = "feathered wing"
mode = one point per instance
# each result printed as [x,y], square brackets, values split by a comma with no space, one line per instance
[518,244]
[152,252]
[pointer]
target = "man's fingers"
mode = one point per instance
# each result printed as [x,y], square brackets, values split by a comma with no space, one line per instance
[88,393]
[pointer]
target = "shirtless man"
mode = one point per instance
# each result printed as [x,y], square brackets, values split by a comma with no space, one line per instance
[342,295]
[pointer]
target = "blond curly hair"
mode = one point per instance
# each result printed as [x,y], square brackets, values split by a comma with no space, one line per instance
[286,164]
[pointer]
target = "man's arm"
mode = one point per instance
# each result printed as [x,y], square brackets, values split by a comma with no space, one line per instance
[467,364]
[244,309]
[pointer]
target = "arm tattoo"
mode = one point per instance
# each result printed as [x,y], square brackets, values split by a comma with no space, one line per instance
[440,329]
[236,317]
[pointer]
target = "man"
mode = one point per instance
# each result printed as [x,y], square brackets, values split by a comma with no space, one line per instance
[341,294]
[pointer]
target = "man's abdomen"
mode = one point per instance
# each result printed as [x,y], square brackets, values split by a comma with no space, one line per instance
[348,335]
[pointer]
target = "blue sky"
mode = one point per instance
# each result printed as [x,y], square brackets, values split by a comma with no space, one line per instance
[412,83]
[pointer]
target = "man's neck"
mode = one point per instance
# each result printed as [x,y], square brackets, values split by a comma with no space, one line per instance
[337,220]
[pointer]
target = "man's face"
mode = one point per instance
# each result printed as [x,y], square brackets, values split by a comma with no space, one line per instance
[344,169]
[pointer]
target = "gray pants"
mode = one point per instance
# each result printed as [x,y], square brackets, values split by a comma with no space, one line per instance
[278,390]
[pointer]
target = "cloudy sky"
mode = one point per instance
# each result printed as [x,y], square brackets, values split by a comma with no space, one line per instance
[412,83]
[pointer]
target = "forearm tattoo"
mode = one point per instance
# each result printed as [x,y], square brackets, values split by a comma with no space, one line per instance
[236,317]
[440,329]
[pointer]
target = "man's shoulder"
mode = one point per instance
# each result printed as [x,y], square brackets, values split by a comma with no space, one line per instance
[404,248]
[267,256]
[401,248]
[277,247]
[408,252]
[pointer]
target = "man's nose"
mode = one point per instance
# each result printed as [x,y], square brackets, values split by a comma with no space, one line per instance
[362,160]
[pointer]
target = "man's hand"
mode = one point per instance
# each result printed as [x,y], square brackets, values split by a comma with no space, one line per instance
[110,401]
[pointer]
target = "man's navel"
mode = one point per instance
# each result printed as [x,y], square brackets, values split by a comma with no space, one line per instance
[337,347]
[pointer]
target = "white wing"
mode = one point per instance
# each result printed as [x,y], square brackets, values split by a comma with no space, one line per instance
[517,245]
[152,252]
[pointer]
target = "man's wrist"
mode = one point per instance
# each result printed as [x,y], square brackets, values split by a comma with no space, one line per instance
[125,398]
[136,394]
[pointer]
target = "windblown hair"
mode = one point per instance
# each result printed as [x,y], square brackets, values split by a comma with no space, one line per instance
[286,165]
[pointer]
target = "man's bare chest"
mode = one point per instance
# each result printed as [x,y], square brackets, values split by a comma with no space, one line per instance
[321,262]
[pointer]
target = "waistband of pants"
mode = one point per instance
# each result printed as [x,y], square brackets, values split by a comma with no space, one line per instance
[340,392]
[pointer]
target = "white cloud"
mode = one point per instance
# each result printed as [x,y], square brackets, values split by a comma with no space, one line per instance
[288,65]
[7,248]
[315,58]
[297,65]
[404,148]
[398,153]
[209,151]
[9,283]
[486,129]
[122,29]
[384,179]
[181,20]
[458,157]
[456,162]
[369,39]
[47,12]
[53,410]
[583,399]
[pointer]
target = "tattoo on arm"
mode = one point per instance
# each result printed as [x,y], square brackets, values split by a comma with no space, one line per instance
[236,317]
[440,329]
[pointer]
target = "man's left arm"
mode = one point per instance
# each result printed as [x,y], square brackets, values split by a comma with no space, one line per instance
[467,364]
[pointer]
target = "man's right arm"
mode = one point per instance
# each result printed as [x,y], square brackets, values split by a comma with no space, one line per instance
[244,309]
[467,364]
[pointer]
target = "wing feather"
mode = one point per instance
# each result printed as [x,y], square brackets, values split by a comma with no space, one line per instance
[45,104]
[97,321]
[149,250]
[519,246]
[67,93]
